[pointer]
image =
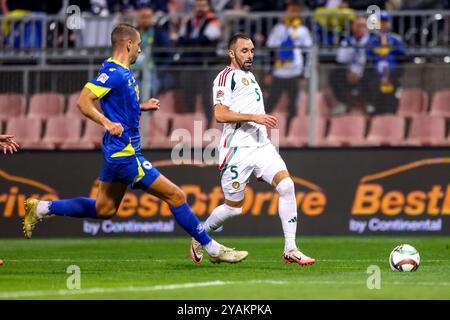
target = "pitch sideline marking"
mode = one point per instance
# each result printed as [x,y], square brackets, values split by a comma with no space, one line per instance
[65,292]
[160,260]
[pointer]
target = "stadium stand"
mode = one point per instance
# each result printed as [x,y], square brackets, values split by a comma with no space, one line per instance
[440,105]
[158,130]
[427,131]
[62,129]
[27,132]
[424,81]
[412,102]
[386,130]
[347,130]
[299,132]
[45,105]
[93,133]
[278,136]
[189,127]
[11,105]
[72,108]
[324,102]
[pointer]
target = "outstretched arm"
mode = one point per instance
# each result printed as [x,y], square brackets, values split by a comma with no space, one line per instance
[8,144]
[152,104]
[223,114]
[87,107]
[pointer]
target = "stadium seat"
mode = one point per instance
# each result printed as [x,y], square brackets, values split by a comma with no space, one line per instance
[11,105]
[299,131]
[62,129]
[282,104]
[157,131]
[93,134]
[278,136]
[27,132]
[346,130]
[427,130]
[440,105]
[72,108]
[188,125]
[77,145]
[412,102]
[324,101]
[46,105]
[386,130]
[168,100]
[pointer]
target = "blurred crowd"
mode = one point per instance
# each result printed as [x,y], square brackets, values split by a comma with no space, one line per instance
[369,59]
[177,7]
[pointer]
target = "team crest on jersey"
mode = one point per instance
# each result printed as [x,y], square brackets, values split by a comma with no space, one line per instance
[219,94]
[147,165]
[236,185]
[103,78]
[245,81]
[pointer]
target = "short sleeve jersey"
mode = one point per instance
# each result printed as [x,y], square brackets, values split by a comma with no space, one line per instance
[239,91]
[118,91]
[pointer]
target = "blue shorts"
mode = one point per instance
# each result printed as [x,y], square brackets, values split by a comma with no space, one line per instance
[135,171]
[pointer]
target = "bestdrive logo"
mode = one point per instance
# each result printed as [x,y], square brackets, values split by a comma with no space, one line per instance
[20,188]
[203,196]
[206,194]
[411,197]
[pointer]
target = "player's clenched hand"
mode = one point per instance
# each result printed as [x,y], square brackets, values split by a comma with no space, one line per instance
[114,128]
[152,104]
[266,119]
[7,143]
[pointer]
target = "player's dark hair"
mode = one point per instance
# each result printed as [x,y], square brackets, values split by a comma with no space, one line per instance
[121,33]
[235,39]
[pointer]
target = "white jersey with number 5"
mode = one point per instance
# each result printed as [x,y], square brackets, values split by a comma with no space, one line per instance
[239,91]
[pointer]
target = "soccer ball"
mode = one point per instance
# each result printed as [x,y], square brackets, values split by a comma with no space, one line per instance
[404,258]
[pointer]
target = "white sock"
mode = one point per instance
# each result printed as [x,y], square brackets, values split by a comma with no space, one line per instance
[287,209]
[43,208]
[213,248]
[219,215]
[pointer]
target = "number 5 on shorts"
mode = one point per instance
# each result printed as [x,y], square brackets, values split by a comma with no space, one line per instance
[233,169]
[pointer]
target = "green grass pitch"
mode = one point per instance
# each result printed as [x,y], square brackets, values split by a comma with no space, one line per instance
[160,268]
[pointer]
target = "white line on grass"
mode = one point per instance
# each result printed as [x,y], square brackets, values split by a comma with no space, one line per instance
[85,260]
[160,260]
[65,292]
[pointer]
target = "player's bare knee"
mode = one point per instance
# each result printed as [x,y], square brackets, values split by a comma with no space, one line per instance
[176,197]
[286,187]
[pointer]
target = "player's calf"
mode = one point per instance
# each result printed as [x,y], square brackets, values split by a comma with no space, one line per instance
[105,211]
[174,197]
[219,215]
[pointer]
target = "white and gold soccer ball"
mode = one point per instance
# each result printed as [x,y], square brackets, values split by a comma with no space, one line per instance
[404,258]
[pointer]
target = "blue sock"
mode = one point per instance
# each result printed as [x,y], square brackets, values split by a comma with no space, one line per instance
[189,222]
[77,208]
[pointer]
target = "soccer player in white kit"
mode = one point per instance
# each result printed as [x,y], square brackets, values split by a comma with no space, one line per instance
[245,149]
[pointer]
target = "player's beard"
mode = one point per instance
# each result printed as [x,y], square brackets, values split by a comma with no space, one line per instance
[133,60]
[242,64]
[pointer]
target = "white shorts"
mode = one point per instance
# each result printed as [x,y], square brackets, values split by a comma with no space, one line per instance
[238,163]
